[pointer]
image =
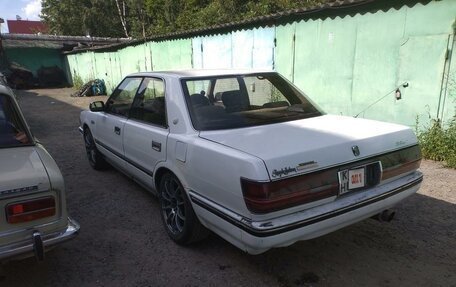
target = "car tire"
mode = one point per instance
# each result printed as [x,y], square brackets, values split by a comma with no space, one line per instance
[95,158]
[179,219]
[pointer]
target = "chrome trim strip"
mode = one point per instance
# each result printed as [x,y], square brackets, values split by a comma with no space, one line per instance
[212,206]
[250,227]
[81,130]
[134,164]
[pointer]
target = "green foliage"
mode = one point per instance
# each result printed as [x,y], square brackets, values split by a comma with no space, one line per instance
[439,143]
[77,81]
[79,18]
[182,15]
[276,96]
[145,18]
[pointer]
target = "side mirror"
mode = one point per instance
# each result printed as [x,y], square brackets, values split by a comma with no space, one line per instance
[97,106]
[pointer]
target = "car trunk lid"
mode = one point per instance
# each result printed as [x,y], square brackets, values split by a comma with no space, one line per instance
[21,172]
[303,146]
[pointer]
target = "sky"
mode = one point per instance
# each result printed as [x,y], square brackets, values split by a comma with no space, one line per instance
[27,9]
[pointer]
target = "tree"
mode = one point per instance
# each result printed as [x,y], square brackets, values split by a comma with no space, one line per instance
[63,17]
[142,18]
[81,17]
[122,15]
[137,18]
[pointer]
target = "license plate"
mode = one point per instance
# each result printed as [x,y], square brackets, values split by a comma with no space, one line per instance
[350,179]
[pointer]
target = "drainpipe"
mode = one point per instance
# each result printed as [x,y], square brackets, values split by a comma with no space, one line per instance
[446,75]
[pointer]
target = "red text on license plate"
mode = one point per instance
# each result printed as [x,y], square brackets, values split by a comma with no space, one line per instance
[356,178]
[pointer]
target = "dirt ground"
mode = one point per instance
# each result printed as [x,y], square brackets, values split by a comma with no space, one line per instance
[123,243]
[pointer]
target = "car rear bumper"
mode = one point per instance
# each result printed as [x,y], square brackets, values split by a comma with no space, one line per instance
[258,236]
[29,247]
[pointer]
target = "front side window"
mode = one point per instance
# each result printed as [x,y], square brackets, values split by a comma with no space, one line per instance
[12,128]
[149,105]
[122,98]
[245,100]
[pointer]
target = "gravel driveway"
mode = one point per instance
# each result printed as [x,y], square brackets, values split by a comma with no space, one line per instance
[122,241]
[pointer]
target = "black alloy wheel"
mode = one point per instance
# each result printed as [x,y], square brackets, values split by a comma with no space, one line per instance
[178,217]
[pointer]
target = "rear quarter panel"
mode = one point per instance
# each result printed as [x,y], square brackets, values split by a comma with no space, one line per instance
[214,171]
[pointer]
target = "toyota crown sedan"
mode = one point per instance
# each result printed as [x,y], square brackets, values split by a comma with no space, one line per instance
[32,193]
[248,156]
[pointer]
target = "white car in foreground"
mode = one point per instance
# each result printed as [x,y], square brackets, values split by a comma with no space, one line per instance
[32,193]
[248,156]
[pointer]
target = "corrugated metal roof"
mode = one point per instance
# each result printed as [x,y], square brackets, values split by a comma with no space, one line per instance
[8,44]
[61,38]
[55,42]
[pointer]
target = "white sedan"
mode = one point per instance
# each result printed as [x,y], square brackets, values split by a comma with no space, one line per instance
[250,157]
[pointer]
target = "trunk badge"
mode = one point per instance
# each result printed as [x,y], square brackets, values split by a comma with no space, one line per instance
[355,150]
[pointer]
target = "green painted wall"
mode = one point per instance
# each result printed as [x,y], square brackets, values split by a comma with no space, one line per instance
[343,63]
[35,58]
[347,63]
[284,56]
[168,55]
[112,67]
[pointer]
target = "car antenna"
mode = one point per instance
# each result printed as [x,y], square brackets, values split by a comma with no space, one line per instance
[398,97]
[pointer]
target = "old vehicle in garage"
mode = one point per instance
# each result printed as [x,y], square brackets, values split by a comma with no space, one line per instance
[250,157]
[32,193]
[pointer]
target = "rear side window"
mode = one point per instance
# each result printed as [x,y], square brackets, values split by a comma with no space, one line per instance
[12,129]
[122,98]
[149,105]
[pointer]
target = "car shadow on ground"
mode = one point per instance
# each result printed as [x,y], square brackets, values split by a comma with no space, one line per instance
[123,243]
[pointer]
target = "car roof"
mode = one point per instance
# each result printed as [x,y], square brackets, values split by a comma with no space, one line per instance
[196,73]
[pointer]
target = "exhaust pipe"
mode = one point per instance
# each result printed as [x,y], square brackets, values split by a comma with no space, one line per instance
[385,216]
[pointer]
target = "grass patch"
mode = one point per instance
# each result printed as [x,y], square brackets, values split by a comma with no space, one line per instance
[439,143]
[77,82]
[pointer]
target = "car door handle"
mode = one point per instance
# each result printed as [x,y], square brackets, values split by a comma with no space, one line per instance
[156,146]
[117,130]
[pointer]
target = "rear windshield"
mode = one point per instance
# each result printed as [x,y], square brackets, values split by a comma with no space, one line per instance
[244,100]
[12,129]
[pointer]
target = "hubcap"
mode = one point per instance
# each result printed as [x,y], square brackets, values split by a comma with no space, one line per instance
[173,206]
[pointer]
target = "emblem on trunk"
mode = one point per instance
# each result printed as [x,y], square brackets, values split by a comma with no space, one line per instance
[283,171]
[20,189]
[355,150]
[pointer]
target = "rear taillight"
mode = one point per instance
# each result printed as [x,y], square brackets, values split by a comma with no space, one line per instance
[401,162]
[401,169]
[30,210]
[263,197]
